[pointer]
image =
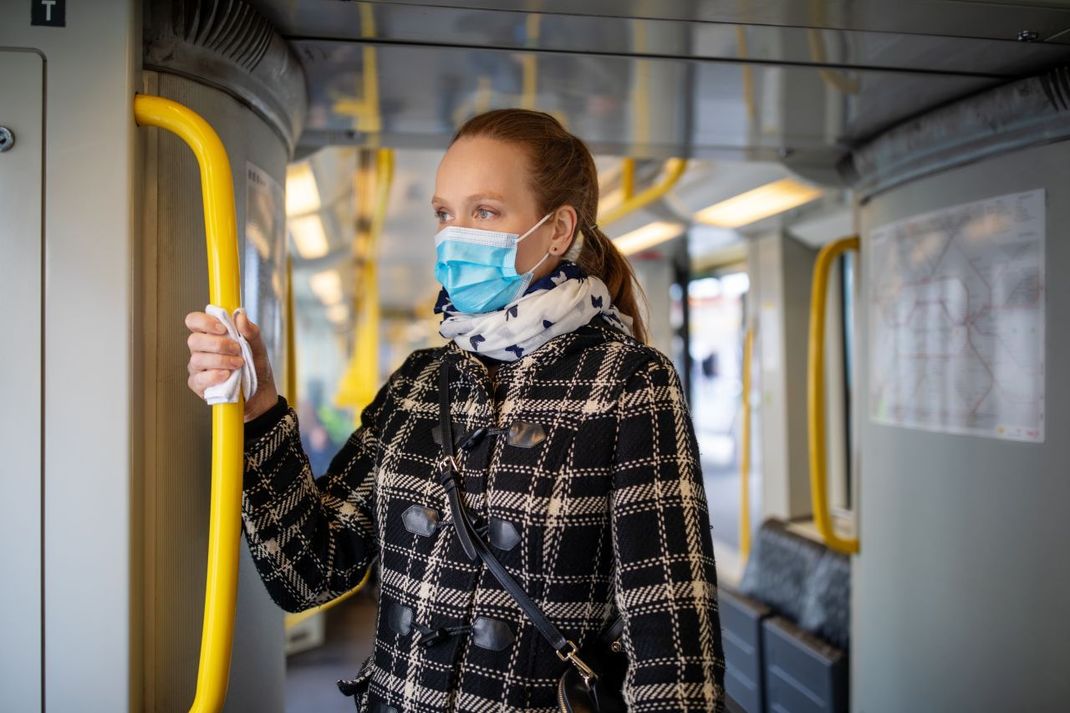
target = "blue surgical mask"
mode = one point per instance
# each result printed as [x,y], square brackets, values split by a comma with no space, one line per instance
[478,267]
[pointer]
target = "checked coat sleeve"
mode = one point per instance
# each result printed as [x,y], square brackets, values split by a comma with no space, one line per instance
[665,583]
[312,539]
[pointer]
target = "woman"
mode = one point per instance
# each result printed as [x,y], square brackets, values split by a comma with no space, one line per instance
[584,473]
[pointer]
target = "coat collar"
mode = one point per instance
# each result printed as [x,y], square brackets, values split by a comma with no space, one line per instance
[596,332]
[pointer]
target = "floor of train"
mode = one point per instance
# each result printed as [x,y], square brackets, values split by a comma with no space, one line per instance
[311,676]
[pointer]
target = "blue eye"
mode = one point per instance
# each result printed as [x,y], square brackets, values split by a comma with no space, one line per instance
[440,215]
[480,212]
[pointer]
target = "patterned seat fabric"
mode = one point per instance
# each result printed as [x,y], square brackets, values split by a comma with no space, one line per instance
[801,580]
[826,609]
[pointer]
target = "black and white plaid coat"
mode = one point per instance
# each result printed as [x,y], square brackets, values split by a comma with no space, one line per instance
[595,501]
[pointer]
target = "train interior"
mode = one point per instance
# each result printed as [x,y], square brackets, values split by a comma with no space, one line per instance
[841,213]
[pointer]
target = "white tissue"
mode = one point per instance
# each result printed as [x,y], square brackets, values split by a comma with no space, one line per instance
[227,391]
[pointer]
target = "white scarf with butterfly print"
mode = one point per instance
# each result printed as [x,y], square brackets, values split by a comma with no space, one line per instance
[567,299]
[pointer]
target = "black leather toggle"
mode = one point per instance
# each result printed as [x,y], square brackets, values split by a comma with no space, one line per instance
[502,534]
[480,526]
[431,635]
[493,634]
[524,434]
[421,520]
[458,433]
[400,618]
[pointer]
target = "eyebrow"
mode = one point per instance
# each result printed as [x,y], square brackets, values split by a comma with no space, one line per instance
[474,197]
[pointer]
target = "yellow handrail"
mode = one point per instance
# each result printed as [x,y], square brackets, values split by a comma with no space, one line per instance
[744,459]
[360,382]
[815,392]
[627,178]
[295,618]
[224,281]
[291,335]
[674,169]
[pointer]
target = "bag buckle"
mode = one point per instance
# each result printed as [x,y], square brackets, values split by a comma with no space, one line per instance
[451,461]
[589,676]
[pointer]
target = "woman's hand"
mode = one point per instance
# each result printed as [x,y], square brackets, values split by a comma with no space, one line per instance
[213,355]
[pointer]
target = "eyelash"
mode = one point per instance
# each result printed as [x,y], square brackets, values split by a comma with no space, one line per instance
[440,213]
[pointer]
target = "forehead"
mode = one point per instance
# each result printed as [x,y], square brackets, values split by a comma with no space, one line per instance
[482,166]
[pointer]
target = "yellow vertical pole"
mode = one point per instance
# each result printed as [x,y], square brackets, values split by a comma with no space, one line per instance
[815,392]
[224,287]
[745,448]
[627,178]
[291,335]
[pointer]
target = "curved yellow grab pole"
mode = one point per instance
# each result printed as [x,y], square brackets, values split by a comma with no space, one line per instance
[224,534]
[295,618]
[359,384]
[744,446]
[291,335]
[815,394]
[674,169]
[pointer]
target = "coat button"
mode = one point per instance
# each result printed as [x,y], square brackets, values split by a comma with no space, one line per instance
[400,618]
[503,534]
[524,434]
[420,520]
[492,634]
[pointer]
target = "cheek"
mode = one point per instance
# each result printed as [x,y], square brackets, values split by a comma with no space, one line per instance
[528,252]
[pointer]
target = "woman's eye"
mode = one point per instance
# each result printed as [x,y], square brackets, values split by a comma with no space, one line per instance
[440,215]
[484,213]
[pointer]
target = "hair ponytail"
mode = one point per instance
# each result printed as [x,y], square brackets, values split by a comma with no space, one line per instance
[598,255]
[563,172]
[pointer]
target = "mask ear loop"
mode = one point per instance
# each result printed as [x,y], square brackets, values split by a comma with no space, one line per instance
[531,272]
[535,227]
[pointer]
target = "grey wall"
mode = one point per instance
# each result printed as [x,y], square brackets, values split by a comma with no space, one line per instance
[22,84]
[89,640]
[962,584]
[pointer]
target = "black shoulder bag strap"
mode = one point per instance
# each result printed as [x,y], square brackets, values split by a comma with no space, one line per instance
[474,546]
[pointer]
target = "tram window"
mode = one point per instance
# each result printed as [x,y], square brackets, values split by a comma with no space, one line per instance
[847,286]
[716,304]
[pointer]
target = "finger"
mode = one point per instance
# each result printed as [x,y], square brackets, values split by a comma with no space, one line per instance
[199,342]
[204,379]
[203,322]
[199,361]
[247,327]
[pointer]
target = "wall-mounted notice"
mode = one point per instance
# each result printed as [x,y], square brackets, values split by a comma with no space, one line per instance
[264,268]
[956,319]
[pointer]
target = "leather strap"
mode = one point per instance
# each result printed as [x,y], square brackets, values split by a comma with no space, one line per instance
[474,545]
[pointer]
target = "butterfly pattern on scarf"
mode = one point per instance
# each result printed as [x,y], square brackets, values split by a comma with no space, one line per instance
[556,304]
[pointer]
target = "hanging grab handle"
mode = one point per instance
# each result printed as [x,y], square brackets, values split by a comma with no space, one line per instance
[815,393]
[224,534]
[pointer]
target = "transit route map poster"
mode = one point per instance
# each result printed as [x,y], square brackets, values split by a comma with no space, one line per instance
[956,319]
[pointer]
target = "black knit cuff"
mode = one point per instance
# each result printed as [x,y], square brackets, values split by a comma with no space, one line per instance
[263,423]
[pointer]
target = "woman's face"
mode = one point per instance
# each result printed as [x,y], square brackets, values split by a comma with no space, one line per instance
[483,183]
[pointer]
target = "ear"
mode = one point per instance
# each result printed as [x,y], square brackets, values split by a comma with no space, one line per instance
[564,224]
